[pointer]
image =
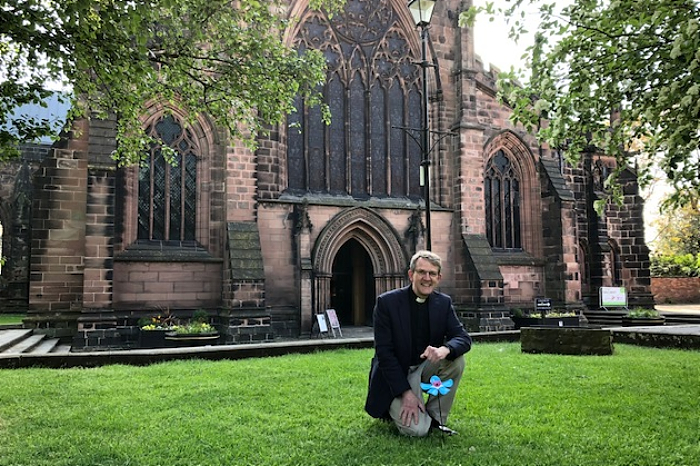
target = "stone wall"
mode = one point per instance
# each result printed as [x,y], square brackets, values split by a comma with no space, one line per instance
[58,233]
[251,326]
[99,231]
[675,290]
[174,285]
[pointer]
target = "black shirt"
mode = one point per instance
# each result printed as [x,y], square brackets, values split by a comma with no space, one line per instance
[420,329]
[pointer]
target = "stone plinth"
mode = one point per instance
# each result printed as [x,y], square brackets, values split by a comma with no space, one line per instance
[566,340]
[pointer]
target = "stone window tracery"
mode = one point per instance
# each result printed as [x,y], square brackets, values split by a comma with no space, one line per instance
[167,198]
[502,200]
[372,90]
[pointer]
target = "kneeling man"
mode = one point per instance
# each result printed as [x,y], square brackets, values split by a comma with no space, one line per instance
[416,335]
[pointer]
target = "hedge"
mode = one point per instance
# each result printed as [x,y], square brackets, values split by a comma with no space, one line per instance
[687,265]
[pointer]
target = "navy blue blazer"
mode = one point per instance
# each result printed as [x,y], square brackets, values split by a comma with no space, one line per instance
[392,344]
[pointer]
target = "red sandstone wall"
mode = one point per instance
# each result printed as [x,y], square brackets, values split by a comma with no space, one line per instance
[674,290]
[176,285]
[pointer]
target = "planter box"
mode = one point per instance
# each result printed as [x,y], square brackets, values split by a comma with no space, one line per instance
[643,321]
[572,340]
[152,338]
[520,322]
[180,340]
[571,321]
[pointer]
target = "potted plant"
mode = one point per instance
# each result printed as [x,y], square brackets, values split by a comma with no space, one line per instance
[198,332]
[536,318]
[643,317]
[522,319]
[152,330]
[560,319]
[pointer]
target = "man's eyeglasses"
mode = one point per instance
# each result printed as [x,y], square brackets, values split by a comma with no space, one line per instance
[427,273]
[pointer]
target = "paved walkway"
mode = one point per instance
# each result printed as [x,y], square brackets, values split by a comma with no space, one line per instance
[662,335]
[677,336]
[678,330]
[679,308]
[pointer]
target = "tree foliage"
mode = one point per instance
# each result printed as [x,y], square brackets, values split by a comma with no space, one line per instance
[684,265]
[226,59]
[620,76]
[678,231]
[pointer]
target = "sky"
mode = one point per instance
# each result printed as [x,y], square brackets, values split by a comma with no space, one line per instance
[491,41]
[492,44]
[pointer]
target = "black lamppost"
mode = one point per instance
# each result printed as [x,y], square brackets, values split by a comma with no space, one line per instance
[422,11]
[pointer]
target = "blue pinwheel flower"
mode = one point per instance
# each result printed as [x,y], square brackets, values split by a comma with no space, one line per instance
[437,386]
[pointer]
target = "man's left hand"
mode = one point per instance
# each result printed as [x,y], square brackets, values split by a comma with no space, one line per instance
[434,354]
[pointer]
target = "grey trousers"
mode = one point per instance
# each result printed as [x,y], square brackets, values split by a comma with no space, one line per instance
[437,409]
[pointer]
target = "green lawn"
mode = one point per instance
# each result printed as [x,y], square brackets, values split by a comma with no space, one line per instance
[11,318]
[640,406]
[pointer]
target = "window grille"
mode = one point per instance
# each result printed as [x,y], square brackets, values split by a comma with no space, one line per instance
[168,191]
[502,196]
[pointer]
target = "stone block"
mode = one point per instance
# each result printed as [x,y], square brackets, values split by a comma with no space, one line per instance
[566,340]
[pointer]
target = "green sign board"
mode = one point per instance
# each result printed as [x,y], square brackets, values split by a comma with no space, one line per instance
[611,296]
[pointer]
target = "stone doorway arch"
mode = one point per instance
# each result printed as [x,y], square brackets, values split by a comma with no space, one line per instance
[352,285]
[374,246]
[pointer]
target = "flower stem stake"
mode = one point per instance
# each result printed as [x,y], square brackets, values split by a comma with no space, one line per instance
[437,387]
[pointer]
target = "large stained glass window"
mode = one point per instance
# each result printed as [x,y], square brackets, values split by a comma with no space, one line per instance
[373,90]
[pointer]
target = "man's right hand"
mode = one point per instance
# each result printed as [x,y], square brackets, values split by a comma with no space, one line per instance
[411,407]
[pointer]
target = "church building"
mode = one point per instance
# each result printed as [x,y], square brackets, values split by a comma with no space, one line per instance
[320,216]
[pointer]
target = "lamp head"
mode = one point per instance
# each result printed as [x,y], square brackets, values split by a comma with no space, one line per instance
[421,11]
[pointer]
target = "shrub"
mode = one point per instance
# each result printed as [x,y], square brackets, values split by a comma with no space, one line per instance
[194,328]
[643,313]
[201,316]
[686,265]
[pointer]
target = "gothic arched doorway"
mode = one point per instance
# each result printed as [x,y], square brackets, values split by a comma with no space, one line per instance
[352,285]
[357,248]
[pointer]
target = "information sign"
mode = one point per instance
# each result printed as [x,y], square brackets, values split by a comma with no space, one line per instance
[613,296]
[322,324]
[333,319]
[543,305]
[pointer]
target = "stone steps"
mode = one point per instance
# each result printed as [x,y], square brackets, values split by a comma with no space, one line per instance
[10,337]
[614,318]
[25,341]
[605,318]
[681,319]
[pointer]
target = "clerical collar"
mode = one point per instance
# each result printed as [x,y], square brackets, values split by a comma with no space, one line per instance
[418,299]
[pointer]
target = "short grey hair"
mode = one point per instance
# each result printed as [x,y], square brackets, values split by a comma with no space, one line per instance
[427,255]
